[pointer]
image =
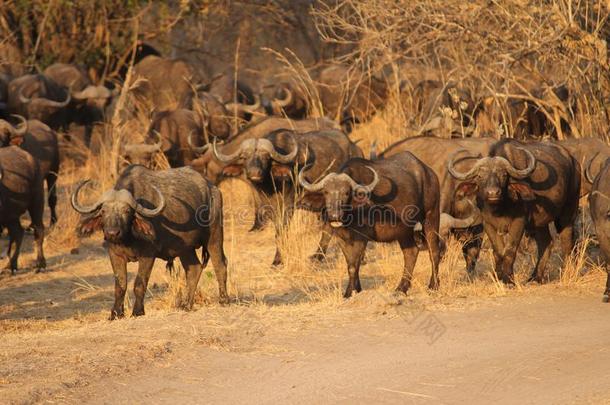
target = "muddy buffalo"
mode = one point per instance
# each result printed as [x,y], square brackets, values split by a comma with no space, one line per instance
[21,191]
[163,214]
[382,201]
[521,186]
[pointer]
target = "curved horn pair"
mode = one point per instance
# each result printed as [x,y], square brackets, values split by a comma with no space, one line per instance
[47,102]
[92,92]
[246,108]
[114,195]
[19,130]
[512,170]
[263,144]
[145,148]
[283,102]
[319,185]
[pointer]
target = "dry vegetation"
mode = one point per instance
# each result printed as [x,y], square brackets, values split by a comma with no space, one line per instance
[498,47]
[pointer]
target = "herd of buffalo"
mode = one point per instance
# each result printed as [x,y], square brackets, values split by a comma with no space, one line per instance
[417,192]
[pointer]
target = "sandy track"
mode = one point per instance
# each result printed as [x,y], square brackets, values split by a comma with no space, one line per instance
[549,349]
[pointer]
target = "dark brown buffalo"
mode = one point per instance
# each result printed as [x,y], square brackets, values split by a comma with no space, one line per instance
[599,204]
[38,97]
[521,186]
[237,96]
[521,117]
[88,100]
[590,153]
[347,95]
[432,98]
[163,214]
[170,132]
[459,212]
[21,190]
[286,98]
[382,201]
[270,162]
[41,142]
[216,119]
[166,83]
[351,95]
[215,170]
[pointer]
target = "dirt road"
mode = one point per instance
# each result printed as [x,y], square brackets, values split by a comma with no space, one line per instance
[516,350]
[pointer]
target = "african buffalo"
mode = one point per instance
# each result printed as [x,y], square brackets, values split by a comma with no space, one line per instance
[599,204]
[41,142]
[382,201]
[41,98]
[523,185]
[590,153]
[166,83]
[216,171]
[170,132]
[459,212]
[216,119]
[21,190]
[521,117]
[88,100]
[237,96]
[270,162]
[163,214]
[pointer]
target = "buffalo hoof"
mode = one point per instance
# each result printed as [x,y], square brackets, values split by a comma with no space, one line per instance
[137,312]
[317,257]
[277,262]
[403,286]
[116,315]
[224,300]
[13,271]
[606,298]
[41,265]
[350,292]
[433,285]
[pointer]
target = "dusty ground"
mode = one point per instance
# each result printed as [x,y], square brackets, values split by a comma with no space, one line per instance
[290,336]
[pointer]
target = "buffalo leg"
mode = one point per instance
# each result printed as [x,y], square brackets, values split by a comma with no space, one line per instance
[119,268]
[353,250]
[281,224]
[410,251]
[434,249]
[471,250]
[193,269]
[505,242]
[15,232]
[543,242]
[322,247]
[213,247]
[36,211]
[52,198]
[607,292]
[145,265]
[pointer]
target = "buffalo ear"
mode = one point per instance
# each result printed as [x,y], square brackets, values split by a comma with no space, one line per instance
[281,172]
[520,192]
[312,202]
[89,224]
[142,229]
[232,170]
[466,189]
[16,140]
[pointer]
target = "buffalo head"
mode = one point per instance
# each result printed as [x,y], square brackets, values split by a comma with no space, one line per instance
[340,193]
[494,177]
[256,156]
[118,215]
[10,135]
